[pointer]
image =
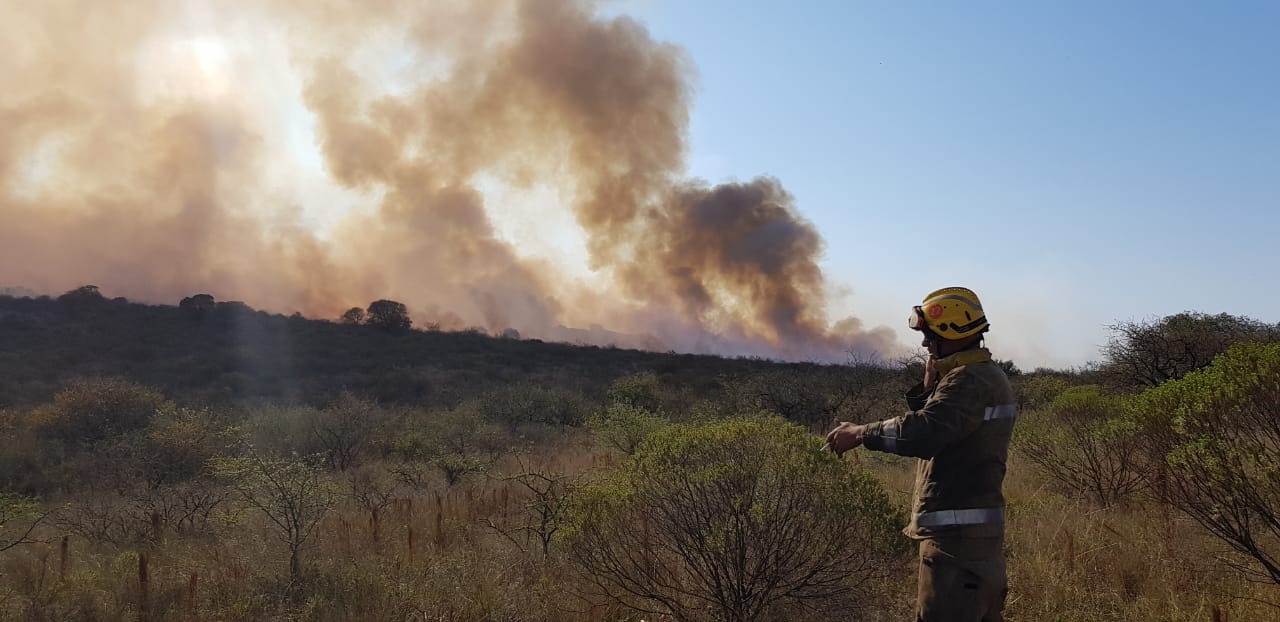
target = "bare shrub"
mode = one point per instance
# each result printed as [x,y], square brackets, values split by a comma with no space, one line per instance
[544,512]
[812,395]
[105,518]
[19,517]
[292,494]
[373,489]
[344,430]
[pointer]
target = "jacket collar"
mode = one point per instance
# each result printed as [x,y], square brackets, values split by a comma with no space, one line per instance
[966,357]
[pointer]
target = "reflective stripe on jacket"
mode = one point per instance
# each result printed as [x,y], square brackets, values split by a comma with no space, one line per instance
[960,431]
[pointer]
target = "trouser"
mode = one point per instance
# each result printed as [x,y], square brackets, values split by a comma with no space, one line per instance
[961,580]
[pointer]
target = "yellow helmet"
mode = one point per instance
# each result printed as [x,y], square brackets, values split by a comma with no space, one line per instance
[952,313]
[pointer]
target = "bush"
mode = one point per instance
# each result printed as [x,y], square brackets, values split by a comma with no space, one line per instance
[740,519]
[95,409]
[816,396]
[180,442]
[523,404]
[1041,390]
[624,426]
[1215,436]
[640,390]
[1083,441]
[344,431]
[458,442]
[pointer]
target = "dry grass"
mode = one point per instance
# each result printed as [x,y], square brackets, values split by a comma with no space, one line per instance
[1070,561]
[436,558]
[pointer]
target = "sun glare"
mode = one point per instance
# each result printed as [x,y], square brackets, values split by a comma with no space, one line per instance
[210,53]
[212,62]
[197,66]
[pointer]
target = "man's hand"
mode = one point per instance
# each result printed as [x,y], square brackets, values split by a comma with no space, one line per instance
[930,374]
[846,436]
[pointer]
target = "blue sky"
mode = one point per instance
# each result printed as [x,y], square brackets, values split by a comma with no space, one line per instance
[1075,163]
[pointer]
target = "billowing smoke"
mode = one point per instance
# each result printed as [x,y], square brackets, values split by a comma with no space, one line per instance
[316,156]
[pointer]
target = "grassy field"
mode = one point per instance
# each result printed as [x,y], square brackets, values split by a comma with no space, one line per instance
[438,554]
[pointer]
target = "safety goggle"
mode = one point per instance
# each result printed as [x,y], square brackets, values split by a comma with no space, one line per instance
[916,321]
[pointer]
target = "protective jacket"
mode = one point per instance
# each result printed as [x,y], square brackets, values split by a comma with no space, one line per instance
[960,431]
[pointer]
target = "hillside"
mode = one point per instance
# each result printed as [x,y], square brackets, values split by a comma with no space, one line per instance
[227,352]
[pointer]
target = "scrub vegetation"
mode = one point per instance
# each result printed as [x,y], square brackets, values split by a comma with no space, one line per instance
[212,462]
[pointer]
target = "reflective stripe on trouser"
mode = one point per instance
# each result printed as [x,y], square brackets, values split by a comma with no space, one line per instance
[961,580]
[970,516]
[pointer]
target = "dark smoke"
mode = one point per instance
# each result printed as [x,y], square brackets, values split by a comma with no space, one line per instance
[155,184]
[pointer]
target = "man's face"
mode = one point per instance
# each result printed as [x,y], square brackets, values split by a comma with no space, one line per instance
[930,344]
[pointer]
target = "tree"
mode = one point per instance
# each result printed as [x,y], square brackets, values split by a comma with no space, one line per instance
[354,315]
[198,305]
[739,519]
[1150,352]
[1214,437]
[388,315]
[1084,442]
[85,294]
[292,494]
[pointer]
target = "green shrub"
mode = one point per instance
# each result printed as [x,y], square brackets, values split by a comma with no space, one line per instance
[458,442]
[740,519]
[1084,442]
[624,426]
[1040,391]
[639,390]
[1215,438]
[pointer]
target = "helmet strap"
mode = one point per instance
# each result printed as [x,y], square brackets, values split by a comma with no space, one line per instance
[938,340]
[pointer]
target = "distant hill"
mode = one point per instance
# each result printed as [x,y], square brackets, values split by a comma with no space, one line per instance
[220,352]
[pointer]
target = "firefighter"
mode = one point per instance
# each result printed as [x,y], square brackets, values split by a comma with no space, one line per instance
[960,420]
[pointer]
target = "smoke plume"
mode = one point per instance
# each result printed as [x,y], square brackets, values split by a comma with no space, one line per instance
[316,156]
